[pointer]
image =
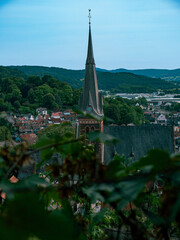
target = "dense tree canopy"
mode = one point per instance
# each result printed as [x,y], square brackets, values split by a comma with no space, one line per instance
[117,81]
[121,111]
[57,130]
[23,95]
[175,107]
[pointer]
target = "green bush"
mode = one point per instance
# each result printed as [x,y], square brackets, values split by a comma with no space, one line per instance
[140,201]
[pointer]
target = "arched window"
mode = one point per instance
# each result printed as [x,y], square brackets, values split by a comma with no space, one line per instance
[92,129]
[87,129]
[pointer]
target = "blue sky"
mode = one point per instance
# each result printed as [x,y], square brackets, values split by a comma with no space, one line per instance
[131,34]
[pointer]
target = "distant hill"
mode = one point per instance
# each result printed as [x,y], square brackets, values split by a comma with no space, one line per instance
[121,81]
[170,75]
[11,72]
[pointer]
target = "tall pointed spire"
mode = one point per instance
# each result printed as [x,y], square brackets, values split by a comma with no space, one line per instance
[90,100]
[90,55]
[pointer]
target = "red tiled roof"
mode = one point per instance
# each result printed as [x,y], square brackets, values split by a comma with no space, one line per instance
[56,120]
[30,138]
[56,114]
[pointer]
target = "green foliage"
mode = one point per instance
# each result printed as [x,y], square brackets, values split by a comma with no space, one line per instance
[57,130]
[123,111]
[142,101]
[5,134]
[24,95]
[8,72]
[117,81]
[4,122]
[141,200]
[175,107]
[168,75]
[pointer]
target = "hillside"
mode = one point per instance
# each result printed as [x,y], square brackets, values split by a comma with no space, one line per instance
[122,81]
[25,94]
[170,75]
[6,72]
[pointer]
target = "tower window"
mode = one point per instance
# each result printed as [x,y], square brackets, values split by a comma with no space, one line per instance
[87,129]
[92,129]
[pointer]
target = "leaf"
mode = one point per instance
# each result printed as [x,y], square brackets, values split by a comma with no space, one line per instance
[101,137]
[127,191]
[157,159]
[156,219]
[23,185]
[93,193]
[175,209]
[97,219]
[46,154]
[43,141]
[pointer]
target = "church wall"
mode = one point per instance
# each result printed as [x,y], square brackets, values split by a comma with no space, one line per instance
[138,139]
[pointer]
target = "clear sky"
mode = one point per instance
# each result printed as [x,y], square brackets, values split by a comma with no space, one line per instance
[131,34]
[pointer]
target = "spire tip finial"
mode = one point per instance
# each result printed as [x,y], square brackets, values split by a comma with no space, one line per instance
[89,16]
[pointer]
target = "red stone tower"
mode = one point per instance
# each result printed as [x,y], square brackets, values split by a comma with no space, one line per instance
[91,102]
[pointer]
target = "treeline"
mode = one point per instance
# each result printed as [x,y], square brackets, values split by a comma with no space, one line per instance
[23,95]
[123,111]
[175,107]
[120,82]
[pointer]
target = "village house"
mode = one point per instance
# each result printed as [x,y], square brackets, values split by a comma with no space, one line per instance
[56,115]
[150,116]
[41,111]
[28,126]
[161,119]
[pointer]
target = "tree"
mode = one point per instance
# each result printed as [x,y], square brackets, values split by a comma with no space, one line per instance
[24,110]
[57,131]
[40,92]
[15,95]
[49,101]
[17,104]
[142,101]
[175,107]
[122,111]
[4,133]
[31,95]
[31,92]
[35,80]
[58,100]
[112,112]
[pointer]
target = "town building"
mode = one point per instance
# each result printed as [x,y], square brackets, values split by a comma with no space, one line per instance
[41,111]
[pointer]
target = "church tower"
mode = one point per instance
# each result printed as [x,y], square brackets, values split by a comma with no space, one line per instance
[91,102]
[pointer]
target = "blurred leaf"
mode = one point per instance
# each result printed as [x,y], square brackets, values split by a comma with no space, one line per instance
[156,219]
[23,185]
[101,137]
[47,154]
[156,159]
[175,209]
[97,219]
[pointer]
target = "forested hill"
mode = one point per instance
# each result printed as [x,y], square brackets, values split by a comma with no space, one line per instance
[24,94]
[122,82]
[6,72]
[170,75]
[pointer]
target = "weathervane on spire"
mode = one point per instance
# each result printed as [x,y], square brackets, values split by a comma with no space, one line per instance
[89,16]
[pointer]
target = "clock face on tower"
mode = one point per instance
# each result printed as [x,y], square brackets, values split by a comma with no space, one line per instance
[89,109]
